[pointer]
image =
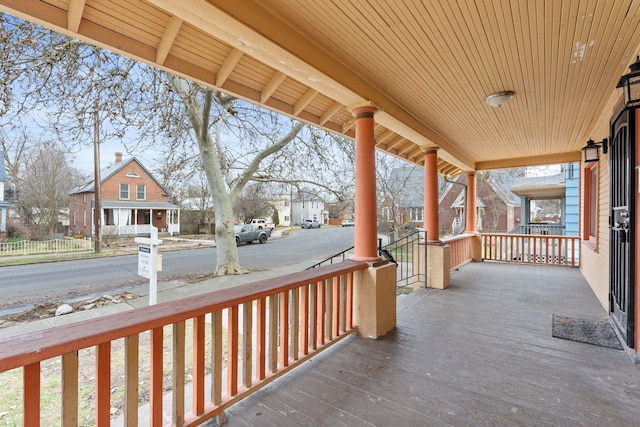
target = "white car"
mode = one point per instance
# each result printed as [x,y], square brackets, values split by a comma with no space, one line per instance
[348,223]
[310,223]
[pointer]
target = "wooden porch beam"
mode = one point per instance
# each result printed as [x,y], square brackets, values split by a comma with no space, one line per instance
[228,66]
[270,88]
[74,14]
[169,36]
[304,101]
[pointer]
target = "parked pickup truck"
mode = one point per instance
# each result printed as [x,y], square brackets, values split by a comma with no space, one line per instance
[261,223]
[247,233]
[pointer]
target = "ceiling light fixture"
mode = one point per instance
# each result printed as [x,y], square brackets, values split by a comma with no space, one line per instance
[498,99]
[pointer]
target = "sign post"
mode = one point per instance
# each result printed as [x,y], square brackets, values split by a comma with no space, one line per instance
[148,262]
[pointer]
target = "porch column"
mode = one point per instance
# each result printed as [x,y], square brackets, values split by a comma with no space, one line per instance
[431,217]
[438,253]
[471,214]
[135,221]
[366,230]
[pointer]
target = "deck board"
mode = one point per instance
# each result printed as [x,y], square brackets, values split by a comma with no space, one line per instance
[477,353]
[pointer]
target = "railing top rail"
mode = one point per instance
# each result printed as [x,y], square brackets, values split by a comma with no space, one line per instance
[28,348]
[531,236]
[458,237]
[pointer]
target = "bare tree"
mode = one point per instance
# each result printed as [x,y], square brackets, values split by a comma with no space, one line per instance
[399,190]
[45,185]
[145,108]
[254,202]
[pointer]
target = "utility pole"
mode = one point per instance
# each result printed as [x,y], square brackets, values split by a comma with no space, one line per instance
[97,214]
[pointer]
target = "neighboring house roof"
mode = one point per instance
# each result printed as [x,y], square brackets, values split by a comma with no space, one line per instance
[3,170]
[407,184]
[108,172]
[542,186]
[459,201]
[501,184]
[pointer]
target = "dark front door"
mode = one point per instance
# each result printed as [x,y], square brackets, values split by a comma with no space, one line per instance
[621,227]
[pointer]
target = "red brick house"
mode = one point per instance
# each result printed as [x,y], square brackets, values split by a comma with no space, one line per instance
[498,208]
[132,201]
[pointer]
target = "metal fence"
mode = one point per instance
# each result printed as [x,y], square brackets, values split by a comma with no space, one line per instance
[409,254]
[26,247]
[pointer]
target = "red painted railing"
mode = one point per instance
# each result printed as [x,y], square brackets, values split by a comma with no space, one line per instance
[271,326]
[532,249]
[460,249]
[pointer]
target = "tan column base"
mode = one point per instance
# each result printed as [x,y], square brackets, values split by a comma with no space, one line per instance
[476,248]
[375,300]
[439,263]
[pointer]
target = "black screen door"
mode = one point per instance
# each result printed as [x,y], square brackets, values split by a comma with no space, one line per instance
[621,233]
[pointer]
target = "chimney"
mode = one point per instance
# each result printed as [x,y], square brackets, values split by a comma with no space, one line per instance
[118,157]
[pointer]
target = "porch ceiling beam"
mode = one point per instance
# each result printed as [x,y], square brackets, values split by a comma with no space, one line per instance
[394,143]
[530,161]
[304,101]
[270,88]
[74,14]
[228,66]
[168,37]
[330,113]
[386,134]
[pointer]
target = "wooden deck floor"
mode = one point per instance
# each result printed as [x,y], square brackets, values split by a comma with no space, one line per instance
[478,353]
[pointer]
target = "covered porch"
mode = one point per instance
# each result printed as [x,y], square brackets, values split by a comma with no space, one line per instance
[479,353]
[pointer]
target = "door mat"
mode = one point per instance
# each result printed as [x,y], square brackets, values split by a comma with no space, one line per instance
[596,332]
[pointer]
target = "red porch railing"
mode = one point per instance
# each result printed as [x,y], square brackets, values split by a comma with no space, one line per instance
[460,249]
[271,326]
[532,249]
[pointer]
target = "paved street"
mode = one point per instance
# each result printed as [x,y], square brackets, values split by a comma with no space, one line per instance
[29,284]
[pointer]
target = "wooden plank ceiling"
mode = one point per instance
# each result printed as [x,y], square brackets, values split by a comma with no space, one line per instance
[427,65]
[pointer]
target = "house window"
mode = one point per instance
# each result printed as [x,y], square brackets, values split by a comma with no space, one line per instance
[84,198]
[286,203]
[416,214]
[141,192]
[124,191]
[133,175]
[386,213]
[84,218]
[109,217]
[590,214]
[286,218]
[74,218]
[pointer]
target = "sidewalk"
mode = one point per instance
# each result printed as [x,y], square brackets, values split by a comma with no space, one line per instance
[167,291]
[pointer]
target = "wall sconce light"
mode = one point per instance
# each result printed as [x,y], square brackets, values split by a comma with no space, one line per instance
[631,84]
[498,99]
[592,150]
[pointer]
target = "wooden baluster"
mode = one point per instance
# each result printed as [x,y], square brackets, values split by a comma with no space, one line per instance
[294,312]
[349,307]
[131,375]
[328,318]
[273,334]
[155,400]
[31,394]
[284,329]
[321,307]
[178,372]
[198,365]
[313,316]
[232,351]
[103,383]
[247,343]
[304,320]
[216,357]
[261,339]
[70,389]
[336,307]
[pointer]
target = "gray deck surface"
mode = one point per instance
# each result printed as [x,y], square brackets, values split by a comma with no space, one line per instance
[479,353]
